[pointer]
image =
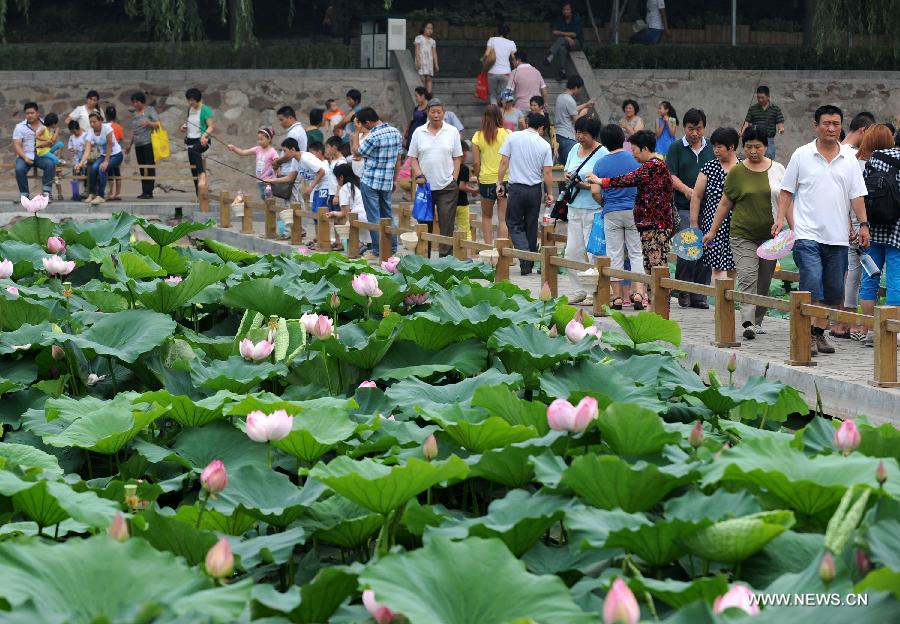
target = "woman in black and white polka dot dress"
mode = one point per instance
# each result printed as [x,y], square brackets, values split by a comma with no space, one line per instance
[705,200]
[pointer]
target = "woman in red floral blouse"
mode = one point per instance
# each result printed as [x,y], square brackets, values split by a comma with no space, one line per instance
[653,214]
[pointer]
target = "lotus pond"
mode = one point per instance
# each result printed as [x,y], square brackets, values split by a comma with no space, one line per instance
[193,433]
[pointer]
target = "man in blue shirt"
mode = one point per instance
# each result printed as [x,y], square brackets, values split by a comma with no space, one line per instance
[381,149]
[569,36]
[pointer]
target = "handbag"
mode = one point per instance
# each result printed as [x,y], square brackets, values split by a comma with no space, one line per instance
[596,242]
[423,209]
[282,190]
[488,60]
[159,140]
[481,86]
[569,191]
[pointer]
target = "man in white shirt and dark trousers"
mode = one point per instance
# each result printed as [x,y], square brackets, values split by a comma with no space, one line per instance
[529,160]
[821,184]
[435,154]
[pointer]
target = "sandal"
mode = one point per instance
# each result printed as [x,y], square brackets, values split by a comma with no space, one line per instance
[638,303]
[617,306]
[858,336]
[842,335]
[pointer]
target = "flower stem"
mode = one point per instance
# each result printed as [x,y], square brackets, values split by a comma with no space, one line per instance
[269,455]
[112,374]
[203,502]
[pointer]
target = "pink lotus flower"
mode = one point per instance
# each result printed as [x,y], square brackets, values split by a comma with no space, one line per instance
[390,265]
[380,613]
[366,285]
[57,353]
[430,447]
[172,280]
[576,331]
[323,328]
[56,244]
[563,416]
[255,352]
[695,438]
[303,250]
[738,597]
[545,295]
[335,301]
[6,268]
[12,290]
[118,529]
[220,560]
[415,299]
[213,479]
[368,384]
[35,205]
[620,605]
[847,437]
[54,265]
[274,426]
[308,320]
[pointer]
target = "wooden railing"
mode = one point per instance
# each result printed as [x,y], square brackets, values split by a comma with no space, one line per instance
[885,323]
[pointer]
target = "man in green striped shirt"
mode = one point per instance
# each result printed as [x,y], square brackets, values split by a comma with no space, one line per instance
[767,115]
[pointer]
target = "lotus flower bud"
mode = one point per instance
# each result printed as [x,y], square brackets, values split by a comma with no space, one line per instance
[862,561]
[380,613]
[173,280]
[255,352]
[220,560]
[430,447]
[366,285]
[303,250]
[13,291]
[620,605]
[6,268]
[575,331]
[57,352]
[847,437]
[545,294]
[738,597]
[118,529]
[56,244]
[881,473]
[732,363]
[214,478]
[335,301]
[368,384]
[415,299]
[696,436]
[323,328]
[826,568]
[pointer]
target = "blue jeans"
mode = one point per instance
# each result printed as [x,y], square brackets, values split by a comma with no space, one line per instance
[888,258]
[98,182]
[770,148]
[822,268]
[48,171]
[648,36]
[565,146]
[378,206]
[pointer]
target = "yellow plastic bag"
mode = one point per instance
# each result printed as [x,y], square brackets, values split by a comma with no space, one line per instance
[159,138]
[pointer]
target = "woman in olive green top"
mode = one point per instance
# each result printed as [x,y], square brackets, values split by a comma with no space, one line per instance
[751,192]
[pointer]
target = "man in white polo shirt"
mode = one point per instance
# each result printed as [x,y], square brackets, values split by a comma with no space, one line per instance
[435,154]
[824,182]
[529,159]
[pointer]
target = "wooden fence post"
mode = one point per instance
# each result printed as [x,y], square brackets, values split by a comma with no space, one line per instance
[502,271]
[458,251]
[885,363]
[323,234]
[224,210]
[549,272]
[384,239]
[724,314]
[473,226]
[421,243]
[296,224]
[247,221]
[353,238]
[270,217]
[405,212]
[801,330]
[661,297]
[203,197]
[601,294]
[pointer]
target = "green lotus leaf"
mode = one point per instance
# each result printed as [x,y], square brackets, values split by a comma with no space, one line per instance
[442,270]
[529,350]
[25,457]
[311,603]
[384,488]
[600,382]
[189,413]
[342,522]
[167,298]
[407,359]
[264,297]
[809,485]
[758,395]
[266,495]
[473,430]
[227,252]
[808,579]
[16,375]
[608,482]
[276,548]
[98,231]
[432,333]
[790,552]
[49,502]
[26,258]
[678,594]
[169,258]
[884,543]
[124,335]
[519,520]
[732,541]
[494,584]
[391,287]
[658,543]
[502,401]
[882,441]
[219,440]
[646,327]
[168,532]
[234,374]
[236,524]
[315,432]
[164,235]
[364,344]
[35,230]
[881,580]
[633,430]
[509,465]
[412,393]
[15,313]
[695,506]
[590,527]
[130,265]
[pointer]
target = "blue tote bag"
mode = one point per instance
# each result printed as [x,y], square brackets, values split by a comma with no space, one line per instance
[423,209]
[596,242]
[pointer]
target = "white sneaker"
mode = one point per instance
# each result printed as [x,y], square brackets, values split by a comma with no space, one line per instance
[592,272]
[97,200]
[758,329]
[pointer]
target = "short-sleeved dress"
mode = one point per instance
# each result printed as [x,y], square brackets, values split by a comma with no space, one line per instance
[426,54]
[717,256]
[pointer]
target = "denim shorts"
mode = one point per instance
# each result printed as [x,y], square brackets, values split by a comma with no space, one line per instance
[489,191]
[822,268]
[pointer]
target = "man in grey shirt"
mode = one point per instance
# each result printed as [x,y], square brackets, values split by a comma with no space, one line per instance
[144,120]
[567,111]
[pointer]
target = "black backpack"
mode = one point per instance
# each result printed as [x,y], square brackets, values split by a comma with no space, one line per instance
[883,199]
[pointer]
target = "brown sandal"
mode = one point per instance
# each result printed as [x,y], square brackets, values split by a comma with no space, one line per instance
[617,306]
